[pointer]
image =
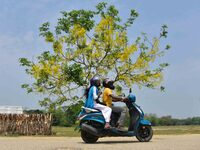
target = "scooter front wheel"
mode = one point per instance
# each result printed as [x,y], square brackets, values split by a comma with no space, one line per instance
[144,133]
[88,138]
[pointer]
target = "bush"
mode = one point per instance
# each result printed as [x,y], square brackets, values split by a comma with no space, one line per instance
[66,116]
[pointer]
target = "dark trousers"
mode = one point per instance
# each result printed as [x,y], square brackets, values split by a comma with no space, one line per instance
[122,111]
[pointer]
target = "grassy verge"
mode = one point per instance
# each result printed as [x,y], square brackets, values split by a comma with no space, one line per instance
[175,130]
[158,130]
[65,131]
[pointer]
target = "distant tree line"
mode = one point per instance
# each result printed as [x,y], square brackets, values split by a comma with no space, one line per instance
[66,116]
[169,121]
[34,111]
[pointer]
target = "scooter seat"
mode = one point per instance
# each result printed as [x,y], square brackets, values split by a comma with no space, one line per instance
[89,110]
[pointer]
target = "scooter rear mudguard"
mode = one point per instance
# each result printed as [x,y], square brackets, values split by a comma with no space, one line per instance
[98,117]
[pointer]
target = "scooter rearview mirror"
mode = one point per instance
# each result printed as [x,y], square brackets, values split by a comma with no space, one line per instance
[130,90]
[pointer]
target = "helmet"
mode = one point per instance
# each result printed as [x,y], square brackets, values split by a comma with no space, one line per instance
[108,84]
[95,81]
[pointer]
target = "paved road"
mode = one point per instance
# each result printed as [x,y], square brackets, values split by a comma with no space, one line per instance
[159,142]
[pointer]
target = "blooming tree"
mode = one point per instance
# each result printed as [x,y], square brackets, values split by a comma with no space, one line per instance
[87,43]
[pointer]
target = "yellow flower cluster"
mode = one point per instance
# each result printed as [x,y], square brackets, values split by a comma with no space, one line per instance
[105,29]
[105,23]
[78,31]
[46,67]
[127,53]
[36,71]
[154,49]
[120,38]
[58,48]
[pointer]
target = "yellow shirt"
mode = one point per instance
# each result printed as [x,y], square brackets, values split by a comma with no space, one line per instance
[107,99]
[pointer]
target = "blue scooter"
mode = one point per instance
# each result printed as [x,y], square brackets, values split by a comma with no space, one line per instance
[92,124]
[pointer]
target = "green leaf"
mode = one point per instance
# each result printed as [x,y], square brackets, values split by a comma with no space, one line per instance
[24,86]
[162,88]
[167,47]
[118,89]
[25,62]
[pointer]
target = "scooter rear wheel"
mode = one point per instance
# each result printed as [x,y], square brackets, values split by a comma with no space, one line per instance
[88,138]
[144,133]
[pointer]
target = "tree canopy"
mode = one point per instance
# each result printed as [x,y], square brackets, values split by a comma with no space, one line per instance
[87,43]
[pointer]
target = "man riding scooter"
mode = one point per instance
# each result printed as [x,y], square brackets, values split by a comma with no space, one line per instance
[109,97]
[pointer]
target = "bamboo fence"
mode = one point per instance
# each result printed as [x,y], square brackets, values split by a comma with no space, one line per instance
[25,124]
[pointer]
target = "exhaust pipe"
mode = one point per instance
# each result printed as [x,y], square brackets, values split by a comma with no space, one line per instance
[90,129]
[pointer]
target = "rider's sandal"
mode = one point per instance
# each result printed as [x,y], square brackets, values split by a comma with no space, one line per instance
[107,126]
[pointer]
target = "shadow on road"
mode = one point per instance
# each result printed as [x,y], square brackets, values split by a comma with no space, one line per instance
[116,142]
[112,142]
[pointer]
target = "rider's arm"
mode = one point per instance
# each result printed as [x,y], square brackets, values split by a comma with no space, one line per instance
[95,96]
[116,98]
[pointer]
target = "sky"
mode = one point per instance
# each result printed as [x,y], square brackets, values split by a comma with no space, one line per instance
[19,37]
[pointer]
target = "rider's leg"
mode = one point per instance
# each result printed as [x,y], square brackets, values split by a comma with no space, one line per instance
[122,117]
[106,111]
[122,111]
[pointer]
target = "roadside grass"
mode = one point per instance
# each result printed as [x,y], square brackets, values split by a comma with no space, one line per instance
[158,130]
[176,130]
[65,131]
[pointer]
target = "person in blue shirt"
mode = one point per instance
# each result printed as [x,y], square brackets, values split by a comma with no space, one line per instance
[92,94]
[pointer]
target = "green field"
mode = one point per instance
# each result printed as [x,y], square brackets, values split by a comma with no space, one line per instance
[190,129]
[158,130]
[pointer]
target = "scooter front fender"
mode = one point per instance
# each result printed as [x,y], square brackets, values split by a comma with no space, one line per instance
[145,122]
